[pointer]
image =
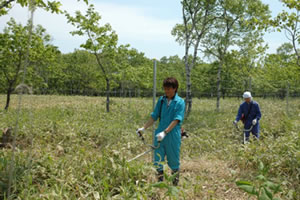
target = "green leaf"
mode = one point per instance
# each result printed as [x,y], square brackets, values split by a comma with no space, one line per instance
[243,183]
[249,189]
[261,177]
[160,185]
[261,166]
[263,195]
[268,192]
[272,186]
[173,191]
[96,195]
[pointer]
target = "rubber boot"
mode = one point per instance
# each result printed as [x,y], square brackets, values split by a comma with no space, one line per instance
[160,175]
[176,178]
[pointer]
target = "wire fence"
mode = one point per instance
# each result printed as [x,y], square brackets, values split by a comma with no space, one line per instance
[281,92]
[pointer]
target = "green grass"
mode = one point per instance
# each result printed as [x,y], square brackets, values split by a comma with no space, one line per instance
[70,148]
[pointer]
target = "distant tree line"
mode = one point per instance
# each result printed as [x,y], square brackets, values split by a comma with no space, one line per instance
[223,59]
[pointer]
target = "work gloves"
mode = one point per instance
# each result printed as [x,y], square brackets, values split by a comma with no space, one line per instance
[160,136]
[140,131]
[254,122]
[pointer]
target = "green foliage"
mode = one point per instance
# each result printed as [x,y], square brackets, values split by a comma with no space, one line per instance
[14,49]
[289,22]
[100,38]
[80,72]
[198,17]
[82,162]
[278,148]
[264,190]
[171,191]
[171,67]
[235,21]
[133,69]
[69,147]
[247,68]
[101,42]
[52,6]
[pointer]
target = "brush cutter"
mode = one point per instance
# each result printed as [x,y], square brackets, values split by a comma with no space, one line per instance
[152,147]
[244,131]
[184,134]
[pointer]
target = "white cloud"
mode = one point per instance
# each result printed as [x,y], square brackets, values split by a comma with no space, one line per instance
[134,25]
[132,22]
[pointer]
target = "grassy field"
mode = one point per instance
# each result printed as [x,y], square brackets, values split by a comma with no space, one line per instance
[70,148]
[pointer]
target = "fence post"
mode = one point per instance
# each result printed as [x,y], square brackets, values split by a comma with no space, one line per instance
[153,105]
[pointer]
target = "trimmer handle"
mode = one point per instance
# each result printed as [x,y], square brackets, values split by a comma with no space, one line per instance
[184,134]
[141,136]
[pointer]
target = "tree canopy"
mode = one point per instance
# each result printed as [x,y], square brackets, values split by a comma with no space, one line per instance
[224,59]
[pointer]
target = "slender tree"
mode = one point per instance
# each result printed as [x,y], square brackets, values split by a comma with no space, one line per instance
[236,19]
[198,15]
[101,42]
[290,23]
[13,49]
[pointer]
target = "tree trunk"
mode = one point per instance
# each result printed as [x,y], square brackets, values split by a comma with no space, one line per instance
[8,93]
[219,85]
[188,90]
[107,81]
[189,68]
[250,84]
[107,94]
[295,48]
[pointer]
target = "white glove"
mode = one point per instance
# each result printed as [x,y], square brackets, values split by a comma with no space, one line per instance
[160,136]
[140,131]
[254,122]
[235,122]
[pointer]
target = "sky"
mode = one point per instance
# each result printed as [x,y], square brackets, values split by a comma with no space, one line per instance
[144,24]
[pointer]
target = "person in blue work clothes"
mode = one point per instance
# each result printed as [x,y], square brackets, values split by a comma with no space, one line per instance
[249,113]
[169,110]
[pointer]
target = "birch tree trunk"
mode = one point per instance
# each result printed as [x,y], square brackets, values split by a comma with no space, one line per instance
[219,85]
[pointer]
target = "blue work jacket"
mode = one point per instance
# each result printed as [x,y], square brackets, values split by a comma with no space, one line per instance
[254,114]
[175,111]
[170,145]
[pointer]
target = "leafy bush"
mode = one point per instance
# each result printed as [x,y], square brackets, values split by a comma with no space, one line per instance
[264,190]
